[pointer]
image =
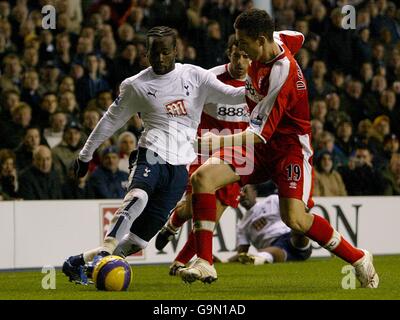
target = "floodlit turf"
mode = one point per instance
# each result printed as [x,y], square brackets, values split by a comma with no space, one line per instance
[314,279]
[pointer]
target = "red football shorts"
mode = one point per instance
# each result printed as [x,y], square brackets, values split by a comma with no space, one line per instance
[287,160]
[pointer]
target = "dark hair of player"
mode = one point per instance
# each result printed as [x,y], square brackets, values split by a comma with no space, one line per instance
[256,23]
[231,42]
[160,32]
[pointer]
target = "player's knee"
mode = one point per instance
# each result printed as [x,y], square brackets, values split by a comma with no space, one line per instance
[201,180]
[183,210]
[294,222]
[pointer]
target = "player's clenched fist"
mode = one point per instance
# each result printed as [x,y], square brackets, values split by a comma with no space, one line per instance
[80,168]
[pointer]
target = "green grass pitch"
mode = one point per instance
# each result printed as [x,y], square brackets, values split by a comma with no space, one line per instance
[314,279]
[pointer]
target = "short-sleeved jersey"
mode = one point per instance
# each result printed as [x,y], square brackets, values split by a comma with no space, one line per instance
[276,92]
[170,106]
[262,224]
[225,118]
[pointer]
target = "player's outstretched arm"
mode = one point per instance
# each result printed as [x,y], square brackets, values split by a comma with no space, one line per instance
[210,142]
[120,111]
[219,92]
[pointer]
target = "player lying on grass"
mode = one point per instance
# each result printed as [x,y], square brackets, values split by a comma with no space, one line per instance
[262,227]
[276,93]
[170,97]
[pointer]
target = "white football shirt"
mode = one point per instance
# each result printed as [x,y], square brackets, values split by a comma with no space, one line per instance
[170,106]
[262,224]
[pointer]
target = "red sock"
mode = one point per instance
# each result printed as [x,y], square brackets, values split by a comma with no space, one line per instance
[323,233]
[176,221]
[204,217]
[188,251]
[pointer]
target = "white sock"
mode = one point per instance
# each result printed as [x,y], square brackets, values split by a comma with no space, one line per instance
[109,245]
[134,203]
[130,244]
[268,258]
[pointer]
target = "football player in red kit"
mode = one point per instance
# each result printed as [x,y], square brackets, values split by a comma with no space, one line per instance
[280,134]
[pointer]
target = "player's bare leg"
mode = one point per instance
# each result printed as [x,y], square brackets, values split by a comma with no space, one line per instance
[293,213]
[211,176]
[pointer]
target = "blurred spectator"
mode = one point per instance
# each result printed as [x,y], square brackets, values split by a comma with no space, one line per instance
[47,48]
[127,142]
[126,35]
[8,174]
[50,75]
[9,100]
[30,89]
[40,181]
[335,114]
[125,66]
[338,81]
[380,127]
[170,13]
[91,83]
[391,147]
[388,107]
[318,87]
[74,13]
[326,142]
[319,110]
[316,129]
[54,134]
[24,152]
[337,44]
[386,20]
[68,105]
[213,52]
[328,182]
[30,58]
[360,177]
[91,117]
[392,176]
[107,181]
[67,84]
[48,106]
[63,50]
[11,73]
[345,140]
[319,22]
[378,55]
[353,102]
[363,45]
[14,130]
[103,100]
[366,74]
[67,151]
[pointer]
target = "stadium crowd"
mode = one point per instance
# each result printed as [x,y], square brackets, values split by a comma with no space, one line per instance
[56,84]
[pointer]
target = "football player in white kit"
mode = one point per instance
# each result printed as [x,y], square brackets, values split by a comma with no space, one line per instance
[262,227]
[221,118]
[170,98]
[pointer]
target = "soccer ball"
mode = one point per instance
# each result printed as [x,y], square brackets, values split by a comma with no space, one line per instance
[112,273]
